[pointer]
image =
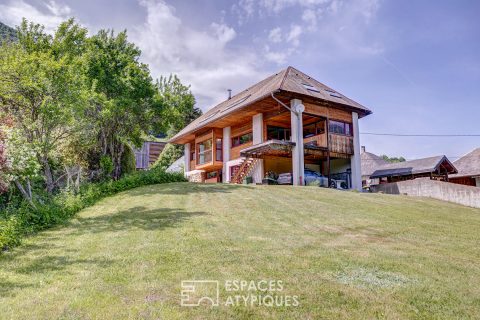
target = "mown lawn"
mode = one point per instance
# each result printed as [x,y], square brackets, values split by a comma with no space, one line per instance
[345,255]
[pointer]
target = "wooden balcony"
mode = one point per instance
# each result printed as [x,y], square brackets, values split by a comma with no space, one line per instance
[338,143]
[341,143]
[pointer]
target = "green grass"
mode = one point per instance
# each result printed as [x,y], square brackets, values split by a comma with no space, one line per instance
[345,255]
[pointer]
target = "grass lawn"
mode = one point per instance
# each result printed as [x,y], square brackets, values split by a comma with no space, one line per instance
[345,255]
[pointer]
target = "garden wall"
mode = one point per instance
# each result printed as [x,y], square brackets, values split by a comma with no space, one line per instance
[424,187]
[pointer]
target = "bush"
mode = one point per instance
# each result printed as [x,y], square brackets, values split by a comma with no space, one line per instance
[128,160]
[19,220]
[169,155]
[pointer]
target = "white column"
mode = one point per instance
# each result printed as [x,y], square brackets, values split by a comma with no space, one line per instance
[478,181]
[186,166]
[355,159]
[226,146]
[257,132]
[298,164]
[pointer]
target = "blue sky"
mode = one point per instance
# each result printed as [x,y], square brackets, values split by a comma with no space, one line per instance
[416,64]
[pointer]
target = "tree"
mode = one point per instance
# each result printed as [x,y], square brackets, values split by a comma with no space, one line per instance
[123,92]
[393,159]
[21,165]
[41,89]
[175,104]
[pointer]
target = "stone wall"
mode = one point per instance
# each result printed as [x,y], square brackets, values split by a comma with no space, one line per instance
[424,187]
[196,176]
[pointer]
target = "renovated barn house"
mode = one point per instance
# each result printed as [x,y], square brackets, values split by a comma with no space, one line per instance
[283,124]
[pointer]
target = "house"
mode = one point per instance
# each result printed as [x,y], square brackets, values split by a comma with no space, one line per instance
[438,168]
[148,154]
[468,168]
[370,163]
[285,123]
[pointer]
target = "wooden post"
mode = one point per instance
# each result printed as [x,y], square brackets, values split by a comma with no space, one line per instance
[328,149]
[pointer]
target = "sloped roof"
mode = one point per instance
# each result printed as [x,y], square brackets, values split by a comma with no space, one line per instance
[370,162]
[288,80]
[468,165]
[417,166]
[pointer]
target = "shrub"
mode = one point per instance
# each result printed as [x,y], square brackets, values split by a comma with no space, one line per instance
[128,160]
[19,220]
[169,155]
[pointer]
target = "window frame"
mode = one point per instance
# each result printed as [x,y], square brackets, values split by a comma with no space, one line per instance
[204,152]
[347,128]
[238,138]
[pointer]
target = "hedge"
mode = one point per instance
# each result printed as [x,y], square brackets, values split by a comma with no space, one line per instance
[19,221]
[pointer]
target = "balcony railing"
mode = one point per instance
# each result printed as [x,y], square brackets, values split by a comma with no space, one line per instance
[338,143]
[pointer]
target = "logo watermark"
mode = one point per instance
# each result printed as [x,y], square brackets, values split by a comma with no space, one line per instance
[249,293]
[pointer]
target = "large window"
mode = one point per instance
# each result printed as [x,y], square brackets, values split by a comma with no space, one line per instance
[237,141]
[339,127]
[218,150]
[314,129]
[204,151]
[278,133]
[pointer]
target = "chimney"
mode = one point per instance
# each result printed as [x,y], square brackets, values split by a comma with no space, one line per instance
[363,148]
[229,94]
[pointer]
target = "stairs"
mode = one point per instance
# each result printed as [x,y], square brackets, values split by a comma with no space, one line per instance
[246,167]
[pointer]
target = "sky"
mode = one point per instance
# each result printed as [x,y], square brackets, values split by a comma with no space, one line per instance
[415,64]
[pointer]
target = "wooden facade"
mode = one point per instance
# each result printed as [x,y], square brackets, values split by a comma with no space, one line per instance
[324,144]
[260,115]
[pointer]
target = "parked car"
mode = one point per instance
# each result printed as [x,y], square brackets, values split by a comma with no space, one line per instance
[310,177]
[314,178]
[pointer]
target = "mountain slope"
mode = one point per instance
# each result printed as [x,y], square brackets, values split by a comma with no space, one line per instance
[7,33]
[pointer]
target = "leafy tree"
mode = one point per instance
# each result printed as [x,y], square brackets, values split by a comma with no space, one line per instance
[22,164]
[123,94]
[169,155]
[175,103]
[393,159]
[41,89]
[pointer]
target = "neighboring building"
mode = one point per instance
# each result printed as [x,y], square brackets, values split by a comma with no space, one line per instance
[370,163]
[148,154]
[468,168]
[438,168]
[282,124]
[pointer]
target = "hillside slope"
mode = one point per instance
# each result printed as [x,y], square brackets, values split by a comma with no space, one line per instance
[7,33]
[345,255]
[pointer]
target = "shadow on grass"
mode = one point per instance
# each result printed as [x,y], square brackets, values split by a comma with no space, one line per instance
[49,255]
[134,218]
[185,188]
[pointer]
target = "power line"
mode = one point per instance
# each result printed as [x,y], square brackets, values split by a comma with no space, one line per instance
[419,135]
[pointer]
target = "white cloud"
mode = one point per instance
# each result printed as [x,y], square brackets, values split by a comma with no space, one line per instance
[50,15]
[275,35]
[278,57]
[309,16]
[293,36]
[201,58]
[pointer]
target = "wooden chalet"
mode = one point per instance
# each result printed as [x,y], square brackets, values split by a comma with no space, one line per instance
[148,154]
[438,168]
[468,168]
[285,123]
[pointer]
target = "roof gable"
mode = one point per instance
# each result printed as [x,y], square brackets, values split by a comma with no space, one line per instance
[288,80]
[417,166]
[469,164]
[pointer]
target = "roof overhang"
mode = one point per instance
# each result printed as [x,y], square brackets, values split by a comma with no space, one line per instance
[276,148]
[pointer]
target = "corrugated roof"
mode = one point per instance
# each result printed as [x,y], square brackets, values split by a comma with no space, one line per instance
[468,165]
[417,166]
[288,80]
